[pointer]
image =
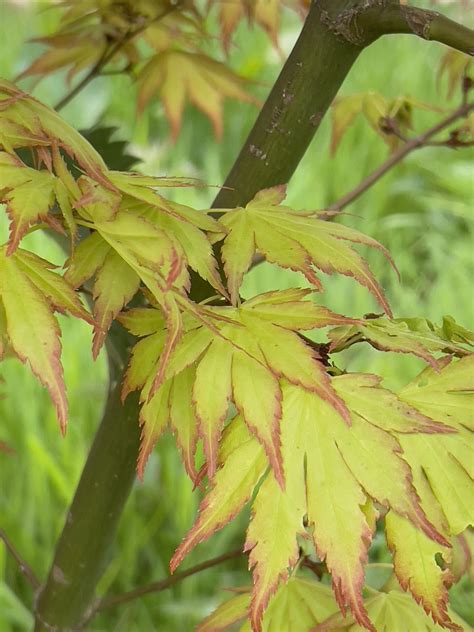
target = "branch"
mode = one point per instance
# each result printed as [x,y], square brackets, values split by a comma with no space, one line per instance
[25,568]
[399,155]
[164,584]
[365,23]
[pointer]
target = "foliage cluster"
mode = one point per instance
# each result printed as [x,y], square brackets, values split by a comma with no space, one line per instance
[258,408]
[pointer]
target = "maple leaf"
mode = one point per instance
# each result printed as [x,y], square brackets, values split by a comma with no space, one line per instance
[298,240]
[454,65]
[28,195]
[392,611]
[331,470]
[244,356]
[416,336]
[29,293]
[379,112]
[181,223]
[22,110]
[445,395]
[265,13]
[299,602]
[179,75]
[121,253]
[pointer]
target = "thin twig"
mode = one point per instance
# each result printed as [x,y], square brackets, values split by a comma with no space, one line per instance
[25,568]
[397,156]
[107,56]
[164,584]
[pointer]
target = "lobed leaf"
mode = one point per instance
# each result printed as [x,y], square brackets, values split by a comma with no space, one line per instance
[300,241]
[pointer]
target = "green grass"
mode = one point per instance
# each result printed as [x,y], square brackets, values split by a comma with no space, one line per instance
[419,211]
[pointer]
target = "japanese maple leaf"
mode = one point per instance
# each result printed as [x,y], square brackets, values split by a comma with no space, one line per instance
[243,355]
[29,294]
[300,602]
[121,253]
[265,13]
[179,75]
[332,471]
[416,336]
[25,112]
[447,395]
[28,195]
[298,240]
[393,611]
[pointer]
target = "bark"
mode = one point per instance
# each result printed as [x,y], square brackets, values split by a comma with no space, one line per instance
[334,34]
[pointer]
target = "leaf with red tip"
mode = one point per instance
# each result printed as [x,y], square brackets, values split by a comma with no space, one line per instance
[331,472]
[394,611]
[28,195]
[86,259]
[179,75]
[415,561]
[116,283]
[416,336]
[364,396]
[212,402]
[257,395]
[277,518]
[232,487]
[29,292]
[296,240]
[154,417]
[287,309]
[183,420]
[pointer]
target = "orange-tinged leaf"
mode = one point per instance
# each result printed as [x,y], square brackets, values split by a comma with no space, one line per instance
[179,75]
[289,357]
[211,395]
[238,249]
[298,240]
[143,362]
[41,120]
[287,309]
[58,292]
[183,420]
[115,285]
[232,487]
[154,417]
[394,611]
[257,395]
[86,259]
[417,569]
[33,331]
[276,512]
[403,335]
[445,395]
[231,611]
[96,202]
[27,201]
[341,532]
[363,395]
[142,321]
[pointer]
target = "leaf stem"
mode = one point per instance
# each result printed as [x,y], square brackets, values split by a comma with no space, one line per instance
[158,586]
[415,143]
[24,567]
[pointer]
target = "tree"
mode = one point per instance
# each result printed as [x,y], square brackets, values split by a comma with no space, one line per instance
[376,452]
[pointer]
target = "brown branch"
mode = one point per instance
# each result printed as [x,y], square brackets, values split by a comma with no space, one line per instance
[25,568]
[399,155]
[163,584]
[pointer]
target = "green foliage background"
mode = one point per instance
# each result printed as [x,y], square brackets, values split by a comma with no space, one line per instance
[420,211]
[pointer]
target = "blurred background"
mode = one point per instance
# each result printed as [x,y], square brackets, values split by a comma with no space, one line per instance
[421,211]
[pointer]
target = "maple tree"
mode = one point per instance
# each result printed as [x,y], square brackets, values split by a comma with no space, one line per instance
[324,456]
